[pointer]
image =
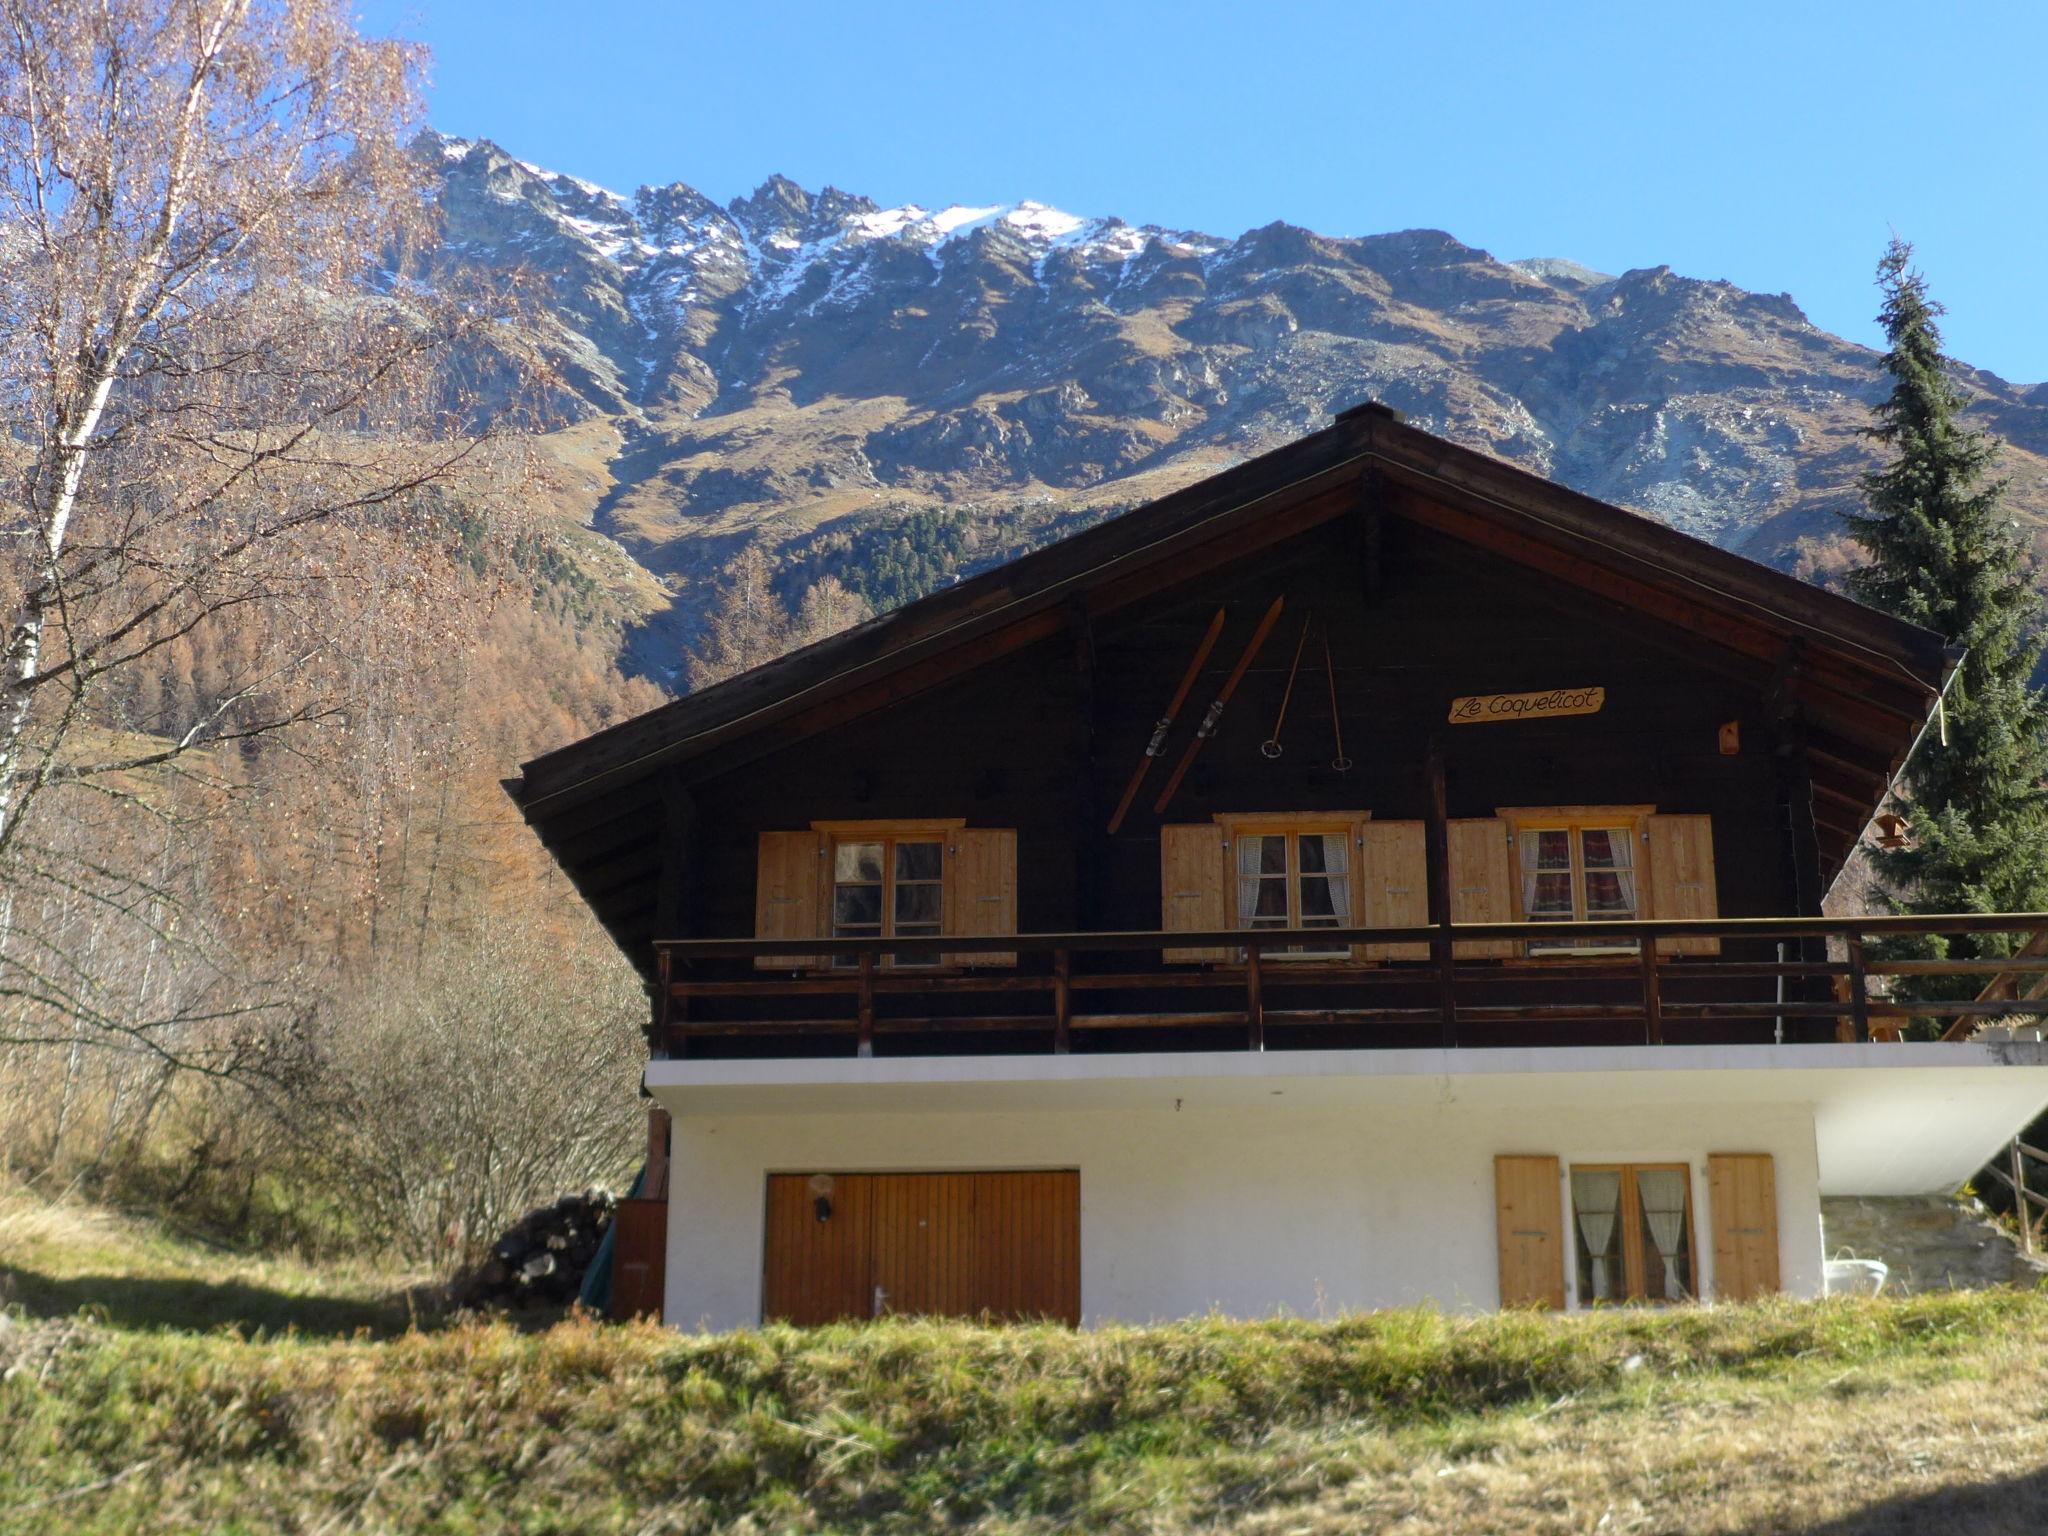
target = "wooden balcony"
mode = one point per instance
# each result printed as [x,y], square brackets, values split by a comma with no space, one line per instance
[1790,978]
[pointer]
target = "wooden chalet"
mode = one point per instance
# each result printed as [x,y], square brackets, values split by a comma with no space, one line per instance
[1389,874]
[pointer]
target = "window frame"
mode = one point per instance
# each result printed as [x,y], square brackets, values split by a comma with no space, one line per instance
[1629,1218]
[1576,820]
[888,833]
[1293,825]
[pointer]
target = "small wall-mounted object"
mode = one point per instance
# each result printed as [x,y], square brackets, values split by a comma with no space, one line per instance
[1731,738]
[821,1187]
[1893,830]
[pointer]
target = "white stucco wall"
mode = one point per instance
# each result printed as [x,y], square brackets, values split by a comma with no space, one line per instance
[1246,1209]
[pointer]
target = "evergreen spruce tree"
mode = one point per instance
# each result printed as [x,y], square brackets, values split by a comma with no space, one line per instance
[1945,555]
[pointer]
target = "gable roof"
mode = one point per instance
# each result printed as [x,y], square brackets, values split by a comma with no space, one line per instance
[1862,684]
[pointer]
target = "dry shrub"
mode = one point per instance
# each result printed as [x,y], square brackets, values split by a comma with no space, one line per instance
[451,1095]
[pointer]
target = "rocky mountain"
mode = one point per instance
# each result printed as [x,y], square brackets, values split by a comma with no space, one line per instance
[810,371]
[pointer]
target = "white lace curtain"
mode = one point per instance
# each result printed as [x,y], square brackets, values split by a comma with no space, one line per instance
[1596,1201]
[1662,1191]
[1621,856]
[1251,852]
[1533,868]
[1337,866]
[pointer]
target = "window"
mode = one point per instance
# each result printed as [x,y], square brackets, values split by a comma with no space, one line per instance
[1632,1233]
[879,880]
[888,887]
[1579,866]
[1294,876]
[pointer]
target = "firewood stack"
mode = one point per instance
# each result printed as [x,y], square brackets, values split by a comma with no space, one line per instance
[540,1260]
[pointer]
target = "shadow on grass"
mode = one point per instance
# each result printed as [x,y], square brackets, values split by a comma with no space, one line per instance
[2013,1506]
[168,1304]
[156,1304]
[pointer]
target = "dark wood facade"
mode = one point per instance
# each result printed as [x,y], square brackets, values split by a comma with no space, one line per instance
[1024,699]
[1028,742]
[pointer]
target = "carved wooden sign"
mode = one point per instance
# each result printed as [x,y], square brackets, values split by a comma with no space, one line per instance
[1480,708]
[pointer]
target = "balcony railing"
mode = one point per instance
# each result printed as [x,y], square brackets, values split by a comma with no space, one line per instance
[1790,975]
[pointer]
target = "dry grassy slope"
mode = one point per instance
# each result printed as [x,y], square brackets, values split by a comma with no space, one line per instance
[1835,1420]
[150,1384]
[802,359]
[576,475]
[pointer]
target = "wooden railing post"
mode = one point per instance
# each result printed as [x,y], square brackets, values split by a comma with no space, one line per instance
[1859,988]
[664,1009]
[867,1002]
[1254,999]
[1446,984]
[1653,999]
[1062,1001]
[1436,832]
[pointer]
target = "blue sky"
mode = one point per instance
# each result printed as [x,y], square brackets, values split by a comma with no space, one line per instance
[1772,144]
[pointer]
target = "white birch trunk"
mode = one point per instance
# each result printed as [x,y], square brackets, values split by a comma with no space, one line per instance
[65,469]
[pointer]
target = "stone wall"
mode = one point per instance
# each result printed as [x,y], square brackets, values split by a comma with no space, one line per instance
[1931,1242]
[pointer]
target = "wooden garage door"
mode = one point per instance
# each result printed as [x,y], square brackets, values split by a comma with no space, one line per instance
[818,1270]
[952,1244]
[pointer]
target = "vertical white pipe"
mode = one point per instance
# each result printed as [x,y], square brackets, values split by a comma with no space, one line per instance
[1778,1031]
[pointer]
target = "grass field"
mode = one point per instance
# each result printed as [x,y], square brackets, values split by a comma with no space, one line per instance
[1923,1416]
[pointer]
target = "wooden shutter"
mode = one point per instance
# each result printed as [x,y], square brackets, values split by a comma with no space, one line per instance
[981,889]
[789,880]
[1742,1188]
[1393,885]
[1191,875]
[1529,1204]
[1482,884]
[1681,852]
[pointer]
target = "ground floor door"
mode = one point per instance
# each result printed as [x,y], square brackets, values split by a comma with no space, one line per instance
[854,1245]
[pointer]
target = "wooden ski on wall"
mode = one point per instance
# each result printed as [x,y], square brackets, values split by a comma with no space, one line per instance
[1156,747]
[1215,715]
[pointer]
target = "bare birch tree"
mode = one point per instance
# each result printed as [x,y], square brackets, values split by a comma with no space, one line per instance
[228,395]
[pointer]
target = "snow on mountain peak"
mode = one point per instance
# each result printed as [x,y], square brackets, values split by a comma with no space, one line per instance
[561,178]
[781,240]
[1041,219]
[1028,220]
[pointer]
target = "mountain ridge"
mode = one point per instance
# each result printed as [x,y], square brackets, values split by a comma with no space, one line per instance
[799,371]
